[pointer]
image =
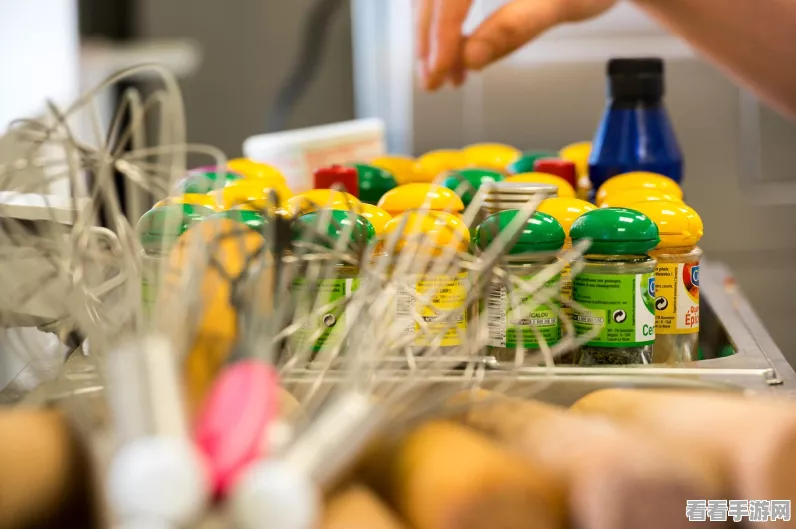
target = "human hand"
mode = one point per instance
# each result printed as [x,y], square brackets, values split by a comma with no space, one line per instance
[445,54]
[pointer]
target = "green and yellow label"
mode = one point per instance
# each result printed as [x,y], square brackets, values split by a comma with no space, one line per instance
[515,318]
[432,309]
[622,305]
[325,312]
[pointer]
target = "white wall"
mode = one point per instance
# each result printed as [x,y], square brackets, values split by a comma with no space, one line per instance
[38,55]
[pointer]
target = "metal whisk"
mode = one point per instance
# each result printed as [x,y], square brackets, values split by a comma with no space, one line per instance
[244,322]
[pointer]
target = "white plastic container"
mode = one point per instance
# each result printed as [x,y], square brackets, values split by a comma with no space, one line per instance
[297,153]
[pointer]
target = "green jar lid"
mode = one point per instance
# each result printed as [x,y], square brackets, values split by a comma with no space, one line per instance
[159,228]
[541,233]
[524,164]
[205,181]
[308,227]
[616,231]
[466,182]
[253,219]
[374,182]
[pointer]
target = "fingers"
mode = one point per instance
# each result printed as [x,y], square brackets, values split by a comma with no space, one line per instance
[458,73]
[509,28]
[444,41]
[424,10]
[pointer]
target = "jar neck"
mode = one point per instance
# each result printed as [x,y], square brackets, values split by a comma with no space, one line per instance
[675,249]
[596,258]
[530,258]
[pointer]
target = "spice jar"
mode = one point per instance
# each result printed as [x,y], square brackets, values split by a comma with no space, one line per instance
[517,321]
[425,252]
[495,156]
[676,280]
[249,168]
[376,216]
[250,217]
[637,180]
[373,181]
[434,163]
[467,182]
[566,211]
[158,230]
[579,154]
[204,181]
[421,196]
[324,228]
[525,162]
[252,192]
[197,199]
[402,168]
[379,219]
[316,199]
[565,169]
[627,198]
[616,290]
[564,189]
[501,196]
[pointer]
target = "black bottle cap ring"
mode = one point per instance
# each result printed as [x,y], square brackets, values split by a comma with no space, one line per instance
[635,79]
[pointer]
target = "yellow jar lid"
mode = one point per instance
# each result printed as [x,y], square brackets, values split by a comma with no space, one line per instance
[638,180]
[626,198]
[578,153]
[254,193]
[678,224]
[565,210]
[401,167]
[433,164]
[196,199]
[316,199]
[420,196]
[429,230]
[377,217]
[495,156]
[565,190]
[251,169]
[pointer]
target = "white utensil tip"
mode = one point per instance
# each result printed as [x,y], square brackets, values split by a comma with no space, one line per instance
[138,523]
[158,478]
[274,494]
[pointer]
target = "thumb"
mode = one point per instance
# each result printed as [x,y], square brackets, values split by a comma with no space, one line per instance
[509,28]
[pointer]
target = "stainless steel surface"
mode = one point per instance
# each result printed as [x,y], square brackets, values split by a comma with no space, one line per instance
[755,349]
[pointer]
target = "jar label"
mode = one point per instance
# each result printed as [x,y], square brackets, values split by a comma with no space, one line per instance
[150,286]
[439,303]
[512,317]
[326,308]
[566,283]
[621,304]
[149,293]
[677,298]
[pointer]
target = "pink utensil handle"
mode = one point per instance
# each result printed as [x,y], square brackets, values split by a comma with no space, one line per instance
[234,419]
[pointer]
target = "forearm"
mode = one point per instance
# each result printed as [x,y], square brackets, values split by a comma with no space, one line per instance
[752,40]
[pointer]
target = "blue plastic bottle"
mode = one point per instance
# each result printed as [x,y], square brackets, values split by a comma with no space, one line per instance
[635,133]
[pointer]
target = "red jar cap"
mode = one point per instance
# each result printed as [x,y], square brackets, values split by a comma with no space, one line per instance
[556,166]
[338,175]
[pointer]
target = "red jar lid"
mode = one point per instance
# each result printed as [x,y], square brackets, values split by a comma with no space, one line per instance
[338,175]
[556,166]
